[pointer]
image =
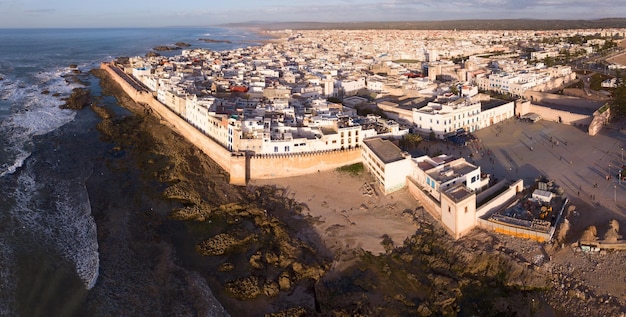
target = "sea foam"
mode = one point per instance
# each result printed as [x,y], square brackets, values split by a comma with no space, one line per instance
[57,213]
[32,113]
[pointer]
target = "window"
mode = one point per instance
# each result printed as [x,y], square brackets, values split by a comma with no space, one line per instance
[449,209]
[275,149]
[465,209]
[286,148]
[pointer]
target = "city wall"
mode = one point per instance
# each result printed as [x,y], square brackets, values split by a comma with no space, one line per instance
[428,203]
[241,166]
[211,148]
[273,166]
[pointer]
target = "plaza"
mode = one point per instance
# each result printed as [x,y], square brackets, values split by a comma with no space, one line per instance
[579,163]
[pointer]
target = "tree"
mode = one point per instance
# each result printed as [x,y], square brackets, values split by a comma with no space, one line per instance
[454,89]
[410,141]
[549,61]
[618,104]
[595,83]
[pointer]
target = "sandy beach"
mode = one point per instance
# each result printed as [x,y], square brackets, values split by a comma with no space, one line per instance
[351,211]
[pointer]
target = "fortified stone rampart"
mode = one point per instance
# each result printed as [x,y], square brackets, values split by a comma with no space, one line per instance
[272,166]
[241,166]
[211,148]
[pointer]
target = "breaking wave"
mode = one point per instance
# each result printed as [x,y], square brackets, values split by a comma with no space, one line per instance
[57,213]
[30,109]
[53,208]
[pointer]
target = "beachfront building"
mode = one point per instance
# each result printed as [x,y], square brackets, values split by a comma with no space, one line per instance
[439,174]
[389,165]
[458,211]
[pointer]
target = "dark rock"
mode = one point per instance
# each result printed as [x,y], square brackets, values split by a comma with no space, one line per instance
[102,112]
[78,100]
[226,267]
[152,54]
[182,44]
[166,48]
[214,41]
[245,288]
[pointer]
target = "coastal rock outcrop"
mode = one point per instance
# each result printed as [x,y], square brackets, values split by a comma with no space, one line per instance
[78,100]
[207,40]
[152,54]
[166,48]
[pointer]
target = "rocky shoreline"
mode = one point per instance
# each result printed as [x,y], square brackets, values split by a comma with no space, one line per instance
[258,252]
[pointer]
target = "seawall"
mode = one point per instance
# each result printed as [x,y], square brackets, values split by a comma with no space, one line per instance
[240,166]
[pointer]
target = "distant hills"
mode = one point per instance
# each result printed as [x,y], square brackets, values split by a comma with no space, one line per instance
[504,24]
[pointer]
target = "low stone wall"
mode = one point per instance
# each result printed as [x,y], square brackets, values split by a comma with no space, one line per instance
[500,200]
[514,231]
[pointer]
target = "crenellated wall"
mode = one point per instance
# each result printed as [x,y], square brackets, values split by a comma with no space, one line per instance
[211,148]
[273,166]
[241,166]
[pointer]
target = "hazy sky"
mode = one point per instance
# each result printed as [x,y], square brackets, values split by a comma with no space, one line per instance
[149,13]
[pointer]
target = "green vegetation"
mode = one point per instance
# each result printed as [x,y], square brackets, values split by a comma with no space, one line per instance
[410,142]
[604,108]
[355,169]
[595,82]
[618,104]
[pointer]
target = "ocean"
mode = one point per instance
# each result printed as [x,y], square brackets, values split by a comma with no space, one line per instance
[57,190]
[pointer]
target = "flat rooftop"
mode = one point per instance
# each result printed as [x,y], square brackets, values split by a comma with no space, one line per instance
[451,171]
[458,193]
[385,150]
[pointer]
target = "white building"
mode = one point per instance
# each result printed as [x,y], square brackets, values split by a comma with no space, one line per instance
[387,163]
[447,118]
[495,111]
[351,86]
[197,112]
[439,174]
